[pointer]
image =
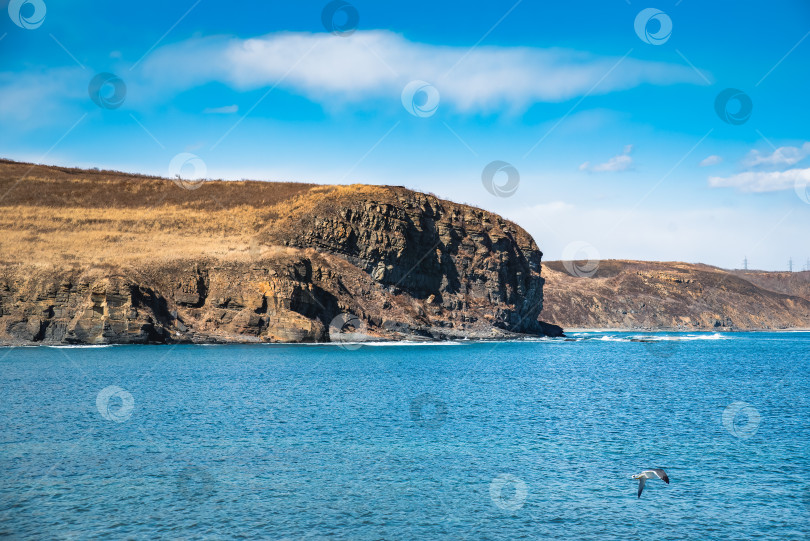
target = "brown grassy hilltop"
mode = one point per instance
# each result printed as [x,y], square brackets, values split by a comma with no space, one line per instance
[92,256]
[675,296]
[55,215]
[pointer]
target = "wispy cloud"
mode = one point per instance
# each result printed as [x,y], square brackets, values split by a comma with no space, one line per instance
[782,156]
[710,160]
[378,63]
[766,172]
[36,97]
[762,181]
[620,162]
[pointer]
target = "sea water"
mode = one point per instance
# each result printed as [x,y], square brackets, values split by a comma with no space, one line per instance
[495,440]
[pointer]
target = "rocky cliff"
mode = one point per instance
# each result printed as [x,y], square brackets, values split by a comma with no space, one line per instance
[675,296]
[89,257]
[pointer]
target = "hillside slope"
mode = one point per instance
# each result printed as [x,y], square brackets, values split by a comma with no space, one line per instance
[103,257]
[789,283]
[675,296]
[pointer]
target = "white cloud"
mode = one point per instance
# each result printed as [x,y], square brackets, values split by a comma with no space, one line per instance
[710,160]
[379,63]
[226,110]
[762,181]
[616,163]
[621,162]
[782,156]
[758,179]
[37,97]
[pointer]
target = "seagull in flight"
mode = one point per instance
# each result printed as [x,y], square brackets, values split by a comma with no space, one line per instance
[655,473]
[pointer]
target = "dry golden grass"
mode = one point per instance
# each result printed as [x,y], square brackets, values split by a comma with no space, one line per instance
[37,185]
[60,216]
[36,234]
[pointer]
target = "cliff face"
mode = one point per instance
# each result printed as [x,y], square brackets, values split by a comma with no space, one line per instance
[675,296]
[455,257]
[110,258]
[185,301]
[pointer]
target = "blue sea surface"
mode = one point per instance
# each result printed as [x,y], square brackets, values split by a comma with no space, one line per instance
[496,440]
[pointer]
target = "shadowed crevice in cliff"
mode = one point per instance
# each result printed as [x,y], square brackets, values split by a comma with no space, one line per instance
[153,328]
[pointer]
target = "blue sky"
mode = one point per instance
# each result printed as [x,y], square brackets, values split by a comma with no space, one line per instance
[615,133]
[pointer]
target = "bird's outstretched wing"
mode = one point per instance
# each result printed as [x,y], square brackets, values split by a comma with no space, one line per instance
[641,481]
[661,474]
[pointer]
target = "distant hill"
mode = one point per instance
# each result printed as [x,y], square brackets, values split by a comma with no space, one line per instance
[789,283]
[675,296]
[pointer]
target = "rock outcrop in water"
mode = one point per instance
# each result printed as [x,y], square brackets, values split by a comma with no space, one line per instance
[111,258]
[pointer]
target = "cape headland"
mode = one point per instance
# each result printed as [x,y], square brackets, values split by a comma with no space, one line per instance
[103,257]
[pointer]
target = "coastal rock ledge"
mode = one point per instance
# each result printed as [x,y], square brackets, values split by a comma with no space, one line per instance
[95,257]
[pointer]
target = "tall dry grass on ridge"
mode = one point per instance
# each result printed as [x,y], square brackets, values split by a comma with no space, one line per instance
[57,216]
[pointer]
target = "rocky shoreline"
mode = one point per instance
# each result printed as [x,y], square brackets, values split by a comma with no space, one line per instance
[284,300]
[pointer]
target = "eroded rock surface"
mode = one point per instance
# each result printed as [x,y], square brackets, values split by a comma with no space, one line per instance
[394,263]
